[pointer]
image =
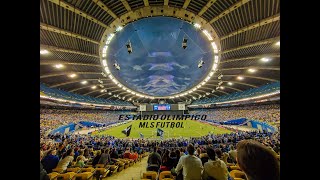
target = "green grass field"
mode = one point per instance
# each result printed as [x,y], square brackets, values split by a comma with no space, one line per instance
[191,129]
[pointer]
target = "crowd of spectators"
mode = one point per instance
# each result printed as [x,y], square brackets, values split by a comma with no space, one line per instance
[54,118]
[167,154]
[266,113]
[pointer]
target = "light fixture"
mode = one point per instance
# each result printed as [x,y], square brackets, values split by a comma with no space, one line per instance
[119,28]
[221,87]
[265,59]
[196,25]
[252,70]
[93,87]
[84,82]
[110,93]
[72,75]
[102,90]
[44,51]
[278,43]
[58,66]
[240,78]
[230,83]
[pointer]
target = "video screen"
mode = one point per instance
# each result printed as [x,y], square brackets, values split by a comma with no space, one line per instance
[161,107]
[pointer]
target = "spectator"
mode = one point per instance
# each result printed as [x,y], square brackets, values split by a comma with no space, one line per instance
[257,161]
[191,165]
[96,158]
[80,162]
[67,158]
[215,167]
[233,154]
[50,161]
[154,160]
[105,157]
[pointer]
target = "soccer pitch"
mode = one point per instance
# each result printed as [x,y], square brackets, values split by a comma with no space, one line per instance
[191,128]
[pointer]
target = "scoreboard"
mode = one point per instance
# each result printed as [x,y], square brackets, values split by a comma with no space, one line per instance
[161,107]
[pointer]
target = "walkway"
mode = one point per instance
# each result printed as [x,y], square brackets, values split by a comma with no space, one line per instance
[132,173]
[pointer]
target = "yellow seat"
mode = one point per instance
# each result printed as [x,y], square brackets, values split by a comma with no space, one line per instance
[84,176]
[102,171]
[88,169]
[237,174]
[230,164]
[165,175]
[66,176]
[150,175]
[238,179]
[75,169]
[235,168]
[100,165]
[58,170]
[53,175]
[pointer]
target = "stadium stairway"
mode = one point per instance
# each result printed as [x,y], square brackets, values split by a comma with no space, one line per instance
[132,173]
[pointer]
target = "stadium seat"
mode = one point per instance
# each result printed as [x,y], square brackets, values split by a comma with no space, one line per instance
[84,176]
[53,175]
[66,176]
[102,172]
[235,168]
[113,168]
[89,169]
[75,169]
[165,175]
[237,174]
[150,175]
[58,170]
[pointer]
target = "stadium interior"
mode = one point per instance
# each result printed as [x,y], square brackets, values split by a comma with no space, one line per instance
[160,89]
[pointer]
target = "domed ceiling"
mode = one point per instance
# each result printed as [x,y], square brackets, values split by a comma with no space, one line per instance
[73,34]
[158,65]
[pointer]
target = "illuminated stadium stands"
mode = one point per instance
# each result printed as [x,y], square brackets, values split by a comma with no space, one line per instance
[56,93]
[266,89]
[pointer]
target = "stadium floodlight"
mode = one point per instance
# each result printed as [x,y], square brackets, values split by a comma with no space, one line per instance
[207,34]
[44,51]
[84,82]
[240,78]
[184,43]
[104,62]
[72,75]
[107,70]
[104,51]
[119,28]
[58,66]
[215,65]
[251,70]
[265,59]
[196,25]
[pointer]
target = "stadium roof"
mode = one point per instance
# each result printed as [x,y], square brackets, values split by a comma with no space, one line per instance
[74,34]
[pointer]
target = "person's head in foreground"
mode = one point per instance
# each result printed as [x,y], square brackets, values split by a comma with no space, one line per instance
[190,149]
[257,161]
